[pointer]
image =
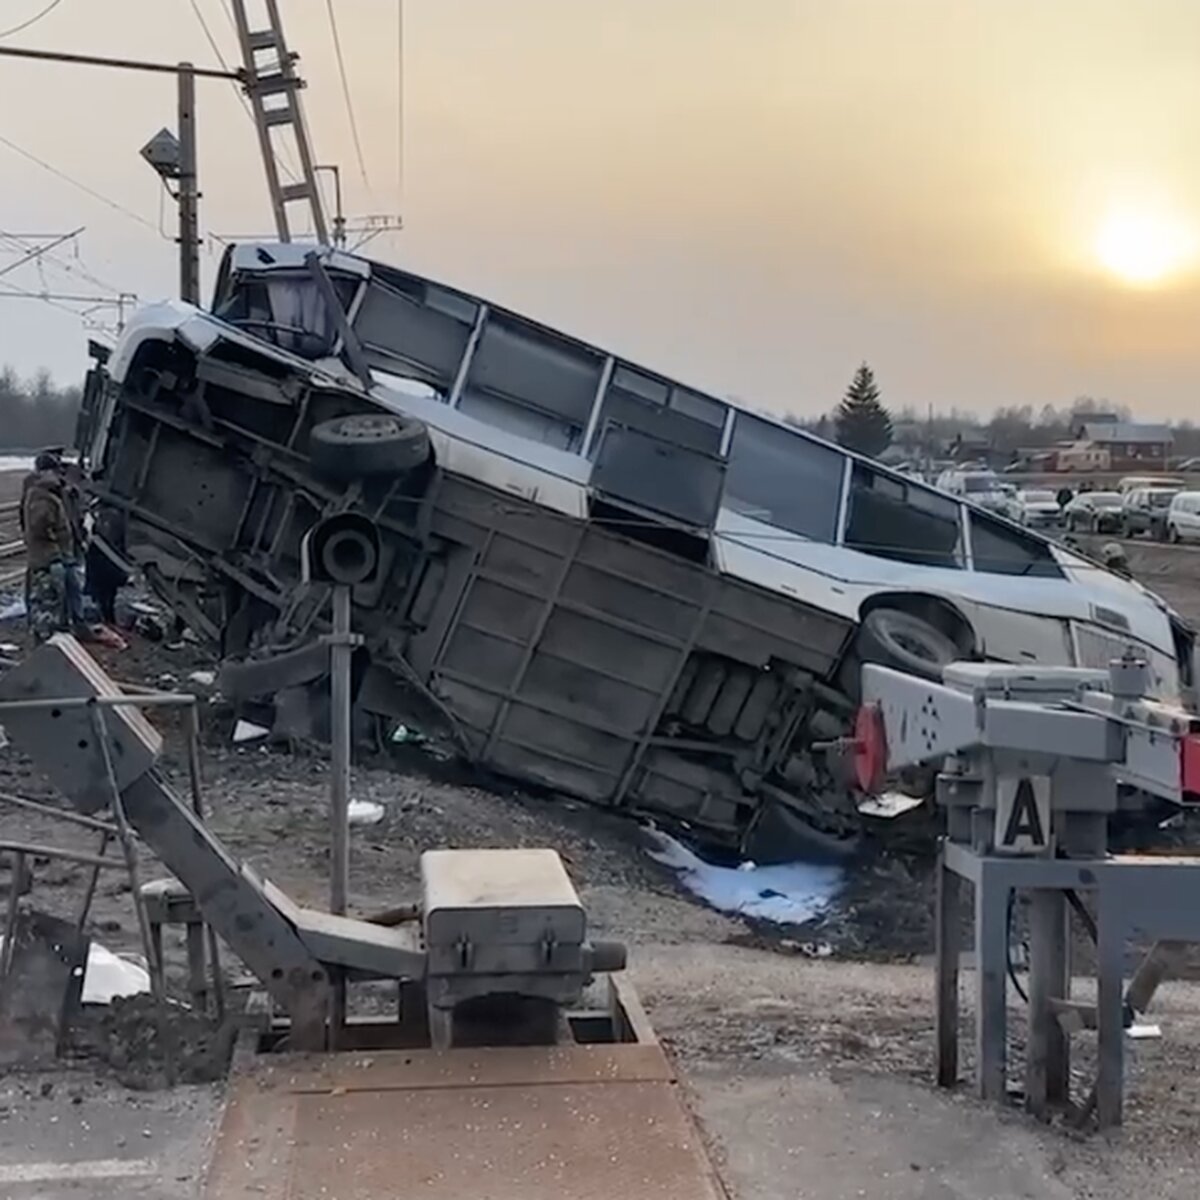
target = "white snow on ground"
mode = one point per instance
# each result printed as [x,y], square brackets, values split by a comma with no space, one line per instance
[789,893]
[16,462]
[365,812]
[107,976]
[11,609]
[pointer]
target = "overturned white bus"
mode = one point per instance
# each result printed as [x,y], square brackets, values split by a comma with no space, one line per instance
[606,582]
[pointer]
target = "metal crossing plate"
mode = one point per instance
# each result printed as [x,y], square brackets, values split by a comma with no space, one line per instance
[527,1123]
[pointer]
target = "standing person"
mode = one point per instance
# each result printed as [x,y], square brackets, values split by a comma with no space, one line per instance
[106,573]
[49,547]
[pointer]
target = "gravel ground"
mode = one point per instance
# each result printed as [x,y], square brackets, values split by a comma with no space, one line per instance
[784,1055]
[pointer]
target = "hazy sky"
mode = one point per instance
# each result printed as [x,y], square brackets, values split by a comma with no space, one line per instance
[992,201]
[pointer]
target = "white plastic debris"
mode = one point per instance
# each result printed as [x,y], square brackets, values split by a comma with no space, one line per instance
[247,731]
[107,976]
[365,812]
[143,609]
[9,648]
[789,893]
[203,678]
[889,805]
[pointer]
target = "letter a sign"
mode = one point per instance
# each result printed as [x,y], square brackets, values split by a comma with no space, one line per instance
[1023,815]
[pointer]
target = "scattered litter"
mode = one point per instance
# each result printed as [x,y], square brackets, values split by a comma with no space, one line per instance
[403,735]
[789,893]
[247,731]
[203,678]
[12,610]
[365,812]
[1144,1032]
[808,949]
[889,805]
[107,976]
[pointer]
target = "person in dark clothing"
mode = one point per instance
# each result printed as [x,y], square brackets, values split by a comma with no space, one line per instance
[106,574]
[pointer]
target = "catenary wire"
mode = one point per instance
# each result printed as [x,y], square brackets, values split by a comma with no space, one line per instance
[341,65]
[31,21]
[83,187]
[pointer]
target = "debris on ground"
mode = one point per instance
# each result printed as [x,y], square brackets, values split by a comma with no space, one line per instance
[364,812]
[788,894]
[148,1047]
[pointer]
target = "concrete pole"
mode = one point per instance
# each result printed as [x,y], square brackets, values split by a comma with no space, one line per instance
[188,195]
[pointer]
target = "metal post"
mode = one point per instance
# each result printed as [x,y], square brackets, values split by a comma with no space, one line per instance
[188,196]
[949,916]
[339,792]
[1047,1061]
[1110,1011]
[991,987]
[339,796]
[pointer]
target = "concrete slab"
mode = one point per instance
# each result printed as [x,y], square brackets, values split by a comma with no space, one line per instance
[70,1135]
[783,1133]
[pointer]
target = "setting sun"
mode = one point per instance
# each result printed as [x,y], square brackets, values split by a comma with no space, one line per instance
[1143,248]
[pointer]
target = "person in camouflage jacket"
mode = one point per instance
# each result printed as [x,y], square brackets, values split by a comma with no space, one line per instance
[50,548]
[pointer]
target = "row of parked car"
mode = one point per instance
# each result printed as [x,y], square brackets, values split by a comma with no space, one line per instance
[1159,507]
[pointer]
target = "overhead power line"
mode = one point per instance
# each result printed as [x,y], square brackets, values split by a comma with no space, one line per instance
[83,187]
[32,20]
[341,65]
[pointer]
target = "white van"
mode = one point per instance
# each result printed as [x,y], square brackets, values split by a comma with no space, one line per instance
[1183,518]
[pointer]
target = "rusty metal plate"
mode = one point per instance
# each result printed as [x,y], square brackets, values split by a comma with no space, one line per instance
[498,1066]
[568,1123]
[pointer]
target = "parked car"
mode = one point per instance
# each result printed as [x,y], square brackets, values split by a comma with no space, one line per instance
[1183,517]
[1131,482]
[1144,510]
[592,577]
[1038,508]
[1095,512]
[981,487]
[1188,464]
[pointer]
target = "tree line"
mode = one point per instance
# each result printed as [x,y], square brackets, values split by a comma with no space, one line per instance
[862,422]
[35,413]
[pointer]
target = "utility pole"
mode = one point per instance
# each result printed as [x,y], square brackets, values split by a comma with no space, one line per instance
[187,195]
[172,157]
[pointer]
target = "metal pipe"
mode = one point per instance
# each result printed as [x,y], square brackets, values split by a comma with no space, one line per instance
[150,700]
[76,856]
[188,194]
[340,653]
[57,813]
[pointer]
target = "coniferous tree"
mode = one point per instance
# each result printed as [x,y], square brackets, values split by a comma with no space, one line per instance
[863,424]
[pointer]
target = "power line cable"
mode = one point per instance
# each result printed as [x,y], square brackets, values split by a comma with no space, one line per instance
[341,65]
[83,187]
[32,20]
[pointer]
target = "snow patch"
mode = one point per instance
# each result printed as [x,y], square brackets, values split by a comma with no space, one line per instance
[16,462]
[790,893]
[203,678]
[364,812]
[12,610]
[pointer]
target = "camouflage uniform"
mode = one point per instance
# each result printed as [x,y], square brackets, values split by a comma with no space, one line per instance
[50,551]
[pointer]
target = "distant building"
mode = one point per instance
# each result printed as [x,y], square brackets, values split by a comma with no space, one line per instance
[1117,446]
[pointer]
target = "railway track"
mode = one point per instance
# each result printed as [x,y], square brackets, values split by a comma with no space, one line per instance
[12,548]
